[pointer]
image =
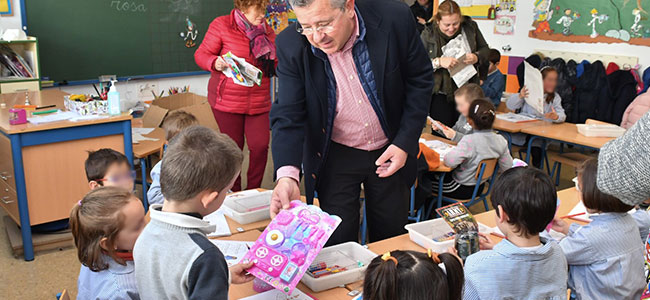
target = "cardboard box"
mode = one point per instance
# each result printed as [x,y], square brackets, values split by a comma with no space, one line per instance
[188,102]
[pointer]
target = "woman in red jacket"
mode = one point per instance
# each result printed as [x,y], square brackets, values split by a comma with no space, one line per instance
[241,111]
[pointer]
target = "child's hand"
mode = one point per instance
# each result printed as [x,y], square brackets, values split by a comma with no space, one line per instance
[560,225]
[238,273]
[454,252]
[448,62]
[523,94]
[484,241]
[552,115]
[449,133]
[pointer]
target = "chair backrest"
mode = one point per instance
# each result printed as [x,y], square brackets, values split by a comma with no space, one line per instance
[490,165]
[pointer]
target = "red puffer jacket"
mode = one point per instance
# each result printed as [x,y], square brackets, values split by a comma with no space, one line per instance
[223,94]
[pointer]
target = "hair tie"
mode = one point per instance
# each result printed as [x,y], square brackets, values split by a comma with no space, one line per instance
[387,257]
[476,108]
[492,112]
[436,258]
[79,203]
[544,68]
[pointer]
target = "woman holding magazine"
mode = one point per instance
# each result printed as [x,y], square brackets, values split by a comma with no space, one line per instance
[446,25]
[241,110]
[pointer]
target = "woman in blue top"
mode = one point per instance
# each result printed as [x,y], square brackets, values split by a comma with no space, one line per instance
[553,111]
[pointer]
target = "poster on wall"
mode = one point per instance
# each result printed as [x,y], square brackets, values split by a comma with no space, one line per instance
[506,16]
[592,21]
[279,15]
[477,9]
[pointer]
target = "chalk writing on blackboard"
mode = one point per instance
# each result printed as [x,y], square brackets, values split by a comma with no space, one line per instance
[127,6]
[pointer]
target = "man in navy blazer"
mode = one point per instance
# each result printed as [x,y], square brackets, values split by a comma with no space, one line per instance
[354,89]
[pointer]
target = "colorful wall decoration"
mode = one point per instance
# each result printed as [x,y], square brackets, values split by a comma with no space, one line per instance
[477,9]
[279,15]
[508,66]
[5,7]
[506,17]
[592,21]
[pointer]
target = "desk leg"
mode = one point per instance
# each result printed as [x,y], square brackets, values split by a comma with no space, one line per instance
[23,208]
[145,184]
[441,179]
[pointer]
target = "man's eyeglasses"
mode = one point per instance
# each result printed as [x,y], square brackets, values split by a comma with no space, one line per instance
[326,28]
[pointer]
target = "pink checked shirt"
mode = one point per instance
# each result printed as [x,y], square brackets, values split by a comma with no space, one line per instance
[356,124]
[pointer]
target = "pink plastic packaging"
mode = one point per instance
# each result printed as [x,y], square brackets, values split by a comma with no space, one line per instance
[286,248]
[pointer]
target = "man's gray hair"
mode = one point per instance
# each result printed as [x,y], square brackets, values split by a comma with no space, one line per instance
[340,4]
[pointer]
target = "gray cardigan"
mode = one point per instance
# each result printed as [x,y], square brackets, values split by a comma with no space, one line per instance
[474,147]
[624,164]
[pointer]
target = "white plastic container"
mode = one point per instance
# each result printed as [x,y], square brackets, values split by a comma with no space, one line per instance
[248,208]
[344,255]
[600,130]
[422,233]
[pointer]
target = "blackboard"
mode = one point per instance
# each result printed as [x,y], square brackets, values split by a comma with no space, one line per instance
[82,39]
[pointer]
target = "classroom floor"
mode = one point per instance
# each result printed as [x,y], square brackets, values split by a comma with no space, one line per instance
[53,271]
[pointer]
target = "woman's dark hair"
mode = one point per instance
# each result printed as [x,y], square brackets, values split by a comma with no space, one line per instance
[447,8]
[592,197]
[545,71]
[415,277]
[482,113]
[99,215]
[527,195]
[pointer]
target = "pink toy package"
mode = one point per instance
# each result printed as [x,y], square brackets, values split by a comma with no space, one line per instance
[286,248]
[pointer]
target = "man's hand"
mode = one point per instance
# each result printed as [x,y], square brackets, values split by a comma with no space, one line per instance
[238,272]
[285,190]
[390,161]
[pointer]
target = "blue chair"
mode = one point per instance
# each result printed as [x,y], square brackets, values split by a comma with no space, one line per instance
[487,171]
[414,215]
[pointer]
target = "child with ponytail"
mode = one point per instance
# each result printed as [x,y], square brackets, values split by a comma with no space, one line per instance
[414,275]
[105,225]
[482,143]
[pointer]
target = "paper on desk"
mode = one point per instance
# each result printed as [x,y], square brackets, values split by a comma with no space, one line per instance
[458,48]
[515,118]
[142,130]
[233,251]
[53,117]
[441,148]
[88,118]
[219,219]
[535,85]
[137,138]
[277,295]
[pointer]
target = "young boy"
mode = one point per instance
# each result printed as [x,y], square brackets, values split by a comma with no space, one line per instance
[495,83]
[107,167]
[523,265]
[464,97]
[173,257]
[174,123]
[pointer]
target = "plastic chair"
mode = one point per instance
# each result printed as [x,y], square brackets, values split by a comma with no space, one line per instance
[487,171]
[414,216]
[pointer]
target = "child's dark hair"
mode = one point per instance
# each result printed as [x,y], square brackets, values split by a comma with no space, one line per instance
[527,195]
[592,197]
[97,216]
[494,56]
[176,121]
[471,91]
[545,71]
[413,275]
[482,113]
[99,161]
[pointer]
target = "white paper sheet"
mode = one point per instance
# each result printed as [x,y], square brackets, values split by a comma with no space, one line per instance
[53,117]
[441,147]
[535,85]
[219,219]
[277,295]
[137,138]
[233,251]
[143,130]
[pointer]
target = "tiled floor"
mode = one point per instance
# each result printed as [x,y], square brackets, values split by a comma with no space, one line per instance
[53,271]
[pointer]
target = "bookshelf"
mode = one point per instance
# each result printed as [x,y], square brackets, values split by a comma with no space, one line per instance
[28,50]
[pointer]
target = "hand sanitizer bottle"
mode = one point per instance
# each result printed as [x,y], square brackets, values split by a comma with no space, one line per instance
[113,100]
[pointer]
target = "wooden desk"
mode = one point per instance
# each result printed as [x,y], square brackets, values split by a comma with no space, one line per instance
[42,166]
[238,291]
[508,128]
[141,151]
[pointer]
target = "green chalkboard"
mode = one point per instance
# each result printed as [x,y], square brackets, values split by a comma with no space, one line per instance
[82,39]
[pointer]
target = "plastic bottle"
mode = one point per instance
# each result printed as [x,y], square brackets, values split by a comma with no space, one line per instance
[113,100]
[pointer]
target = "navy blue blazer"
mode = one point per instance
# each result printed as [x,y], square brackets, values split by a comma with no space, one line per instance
[301,117]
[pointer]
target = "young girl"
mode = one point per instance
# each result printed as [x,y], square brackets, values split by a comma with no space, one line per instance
[105,225]
[414,276]
[553,111]
[482,143]
[463,97]
[605,257]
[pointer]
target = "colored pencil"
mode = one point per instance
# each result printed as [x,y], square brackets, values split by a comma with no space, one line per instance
[573,215]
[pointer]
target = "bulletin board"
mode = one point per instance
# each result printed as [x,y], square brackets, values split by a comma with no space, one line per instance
[477,9]
[279,15]
[592,21]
